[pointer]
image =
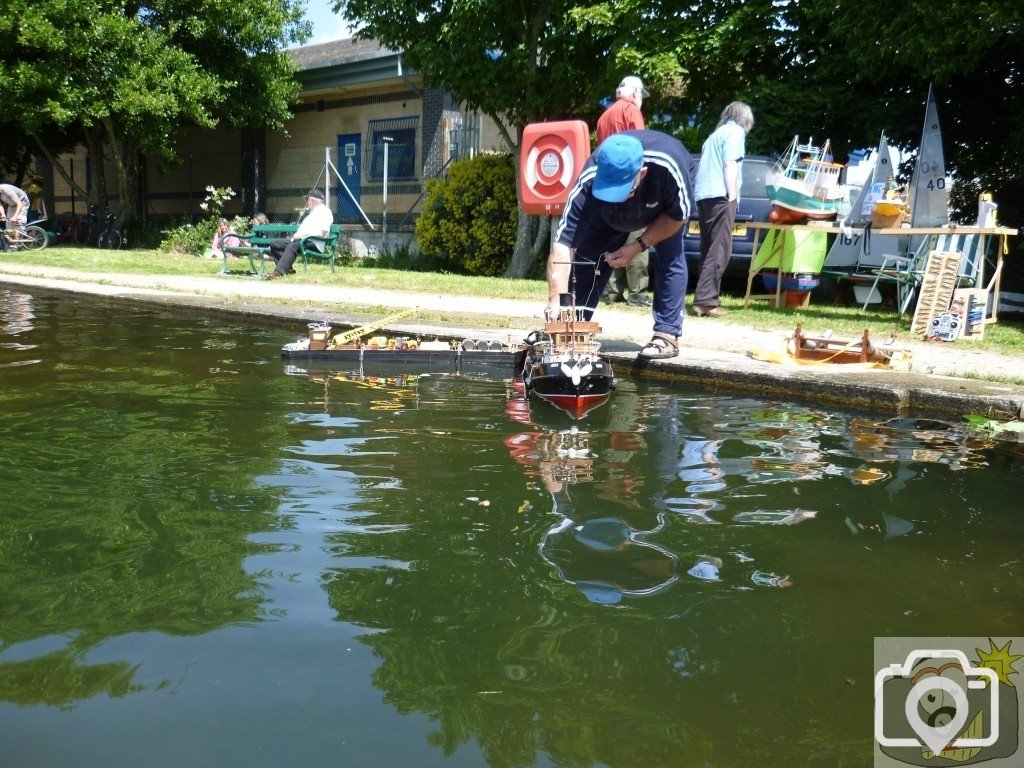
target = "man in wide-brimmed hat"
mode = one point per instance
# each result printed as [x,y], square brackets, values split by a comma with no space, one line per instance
[316,223]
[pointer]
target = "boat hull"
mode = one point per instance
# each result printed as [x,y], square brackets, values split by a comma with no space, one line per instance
[802,203]
[447,360]
[577,395]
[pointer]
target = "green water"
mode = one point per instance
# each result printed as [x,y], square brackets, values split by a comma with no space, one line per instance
[207,559]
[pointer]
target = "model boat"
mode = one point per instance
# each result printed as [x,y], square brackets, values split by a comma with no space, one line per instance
[326,344]
[826,349]
[564,366]
[804,184]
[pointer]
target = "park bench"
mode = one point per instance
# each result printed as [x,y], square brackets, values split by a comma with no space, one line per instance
[258,244]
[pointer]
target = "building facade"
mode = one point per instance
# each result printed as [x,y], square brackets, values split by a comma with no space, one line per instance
[359,104]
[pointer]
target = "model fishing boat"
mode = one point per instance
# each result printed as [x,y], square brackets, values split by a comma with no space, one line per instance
[804,184]
[563,363]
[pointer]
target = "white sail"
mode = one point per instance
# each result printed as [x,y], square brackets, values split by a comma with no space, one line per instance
[929,200]
[848,250]
[929,197]
[874,187]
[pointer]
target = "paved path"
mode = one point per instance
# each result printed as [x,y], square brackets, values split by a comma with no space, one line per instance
[714,353]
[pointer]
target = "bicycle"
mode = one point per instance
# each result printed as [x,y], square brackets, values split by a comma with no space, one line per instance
[111,237]
[85,227]
[24,237]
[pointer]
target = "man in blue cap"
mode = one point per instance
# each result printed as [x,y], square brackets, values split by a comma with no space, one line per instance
[635,180]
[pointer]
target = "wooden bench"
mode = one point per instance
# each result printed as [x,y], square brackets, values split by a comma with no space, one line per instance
[258,244]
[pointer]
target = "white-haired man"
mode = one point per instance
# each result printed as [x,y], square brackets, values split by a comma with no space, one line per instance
[625,115]
[316,223]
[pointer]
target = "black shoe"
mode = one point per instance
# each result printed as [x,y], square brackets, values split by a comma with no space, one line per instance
[611,298]
[640,300]
[705,311]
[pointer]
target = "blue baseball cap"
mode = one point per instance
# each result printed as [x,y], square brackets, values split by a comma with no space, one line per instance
[619,159]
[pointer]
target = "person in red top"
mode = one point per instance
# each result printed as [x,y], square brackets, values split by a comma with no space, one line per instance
[625,115]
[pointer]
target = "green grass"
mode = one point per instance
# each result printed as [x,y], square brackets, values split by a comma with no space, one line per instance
[1005,337]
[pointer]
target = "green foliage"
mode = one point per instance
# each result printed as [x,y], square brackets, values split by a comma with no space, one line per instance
[196,238]
[469,219]
[403,257]
[124,81]
[189,238]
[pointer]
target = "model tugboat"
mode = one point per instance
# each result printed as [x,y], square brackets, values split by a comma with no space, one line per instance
[563,363]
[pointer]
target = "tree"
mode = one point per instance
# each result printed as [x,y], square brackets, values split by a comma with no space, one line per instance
[125,78]
[515,62]
[849,70]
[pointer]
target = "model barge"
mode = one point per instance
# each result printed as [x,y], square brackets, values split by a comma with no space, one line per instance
[324,345]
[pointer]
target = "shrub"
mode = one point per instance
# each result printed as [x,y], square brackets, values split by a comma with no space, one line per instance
[469,219]
[196,239]
[189,238]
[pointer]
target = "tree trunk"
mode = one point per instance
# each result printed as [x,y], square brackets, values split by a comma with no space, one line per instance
[523,256]
[125,153]
[97,192]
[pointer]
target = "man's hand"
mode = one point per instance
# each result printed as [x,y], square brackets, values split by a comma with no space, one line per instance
[623,256]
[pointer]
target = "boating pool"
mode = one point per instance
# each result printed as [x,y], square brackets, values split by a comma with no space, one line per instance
[210,558]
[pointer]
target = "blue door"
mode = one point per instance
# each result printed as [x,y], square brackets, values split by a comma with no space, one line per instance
[350,166]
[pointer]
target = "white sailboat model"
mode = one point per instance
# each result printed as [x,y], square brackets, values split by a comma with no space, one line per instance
[929,197]
[929,201]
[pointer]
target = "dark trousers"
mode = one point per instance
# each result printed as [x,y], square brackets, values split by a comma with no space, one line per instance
[716,219]
[590,273]
[284,252]
[634,278]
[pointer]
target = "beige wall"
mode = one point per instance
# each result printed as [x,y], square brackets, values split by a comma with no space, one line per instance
[295,159]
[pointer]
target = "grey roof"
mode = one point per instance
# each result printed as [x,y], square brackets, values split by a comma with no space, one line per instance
[336,52]
[342,64]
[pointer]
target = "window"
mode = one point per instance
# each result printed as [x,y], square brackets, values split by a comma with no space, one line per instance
[400,135]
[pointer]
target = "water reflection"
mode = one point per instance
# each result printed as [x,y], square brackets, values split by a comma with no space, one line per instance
[17,312]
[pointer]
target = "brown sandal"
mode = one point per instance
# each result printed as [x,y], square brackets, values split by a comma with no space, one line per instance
[660,348]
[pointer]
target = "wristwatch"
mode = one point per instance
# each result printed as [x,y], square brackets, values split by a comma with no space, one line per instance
[643,246]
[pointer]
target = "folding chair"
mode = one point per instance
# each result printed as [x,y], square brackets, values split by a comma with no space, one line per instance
[971,257]
[905,271]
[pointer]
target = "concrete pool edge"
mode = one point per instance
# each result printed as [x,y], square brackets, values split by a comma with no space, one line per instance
[886,391]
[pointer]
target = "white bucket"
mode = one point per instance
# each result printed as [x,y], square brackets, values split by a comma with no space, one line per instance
[867,294]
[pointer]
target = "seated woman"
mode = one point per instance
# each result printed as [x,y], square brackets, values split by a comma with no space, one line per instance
[222,238]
